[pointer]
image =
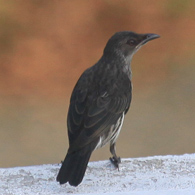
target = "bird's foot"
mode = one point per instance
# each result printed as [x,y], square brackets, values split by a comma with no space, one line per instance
[115,161]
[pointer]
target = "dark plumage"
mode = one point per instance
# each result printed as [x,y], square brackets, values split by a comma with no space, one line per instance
[99,101]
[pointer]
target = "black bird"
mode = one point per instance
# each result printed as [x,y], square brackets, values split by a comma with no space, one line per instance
[98,104]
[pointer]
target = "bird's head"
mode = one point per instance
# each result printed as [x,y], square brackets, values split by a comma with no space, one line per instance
[127,43]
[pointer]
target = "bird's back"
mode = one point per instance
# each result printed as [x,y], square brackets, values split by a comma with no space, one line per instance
[99,99]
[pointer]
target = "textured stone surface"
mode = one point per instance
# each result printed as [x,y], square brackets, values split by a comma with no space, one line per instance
[150,175]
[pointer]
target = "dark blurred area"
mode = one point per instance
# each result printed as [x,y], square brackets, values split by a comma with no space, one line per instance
[46,45]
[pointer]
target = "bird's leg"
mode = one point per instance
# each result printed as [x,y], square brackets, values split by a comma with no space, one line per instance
[115,160]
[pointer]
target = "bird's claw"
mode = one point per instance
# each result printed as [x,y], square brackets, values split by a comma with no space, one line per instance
[115,161]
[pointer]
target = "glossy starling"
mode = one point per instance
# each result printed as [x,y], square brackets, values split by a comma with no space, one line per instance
[98,104]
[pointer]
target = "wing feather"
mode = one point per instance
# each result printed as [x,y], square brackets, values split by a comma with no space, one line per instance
[93,112]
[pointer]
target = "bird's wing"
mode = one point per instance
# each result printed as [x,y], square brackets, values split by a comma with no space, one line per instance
[92,111]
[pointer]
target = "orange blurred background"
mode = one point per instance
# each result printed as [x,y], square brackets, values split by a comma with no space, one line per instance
[46,45]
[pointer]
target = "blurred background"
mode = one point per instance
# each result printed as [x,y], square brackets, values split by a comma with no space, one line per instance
[46,45]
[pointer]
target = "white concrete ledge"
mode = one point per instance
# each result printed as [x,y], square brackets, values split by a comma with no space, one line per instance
[159,175]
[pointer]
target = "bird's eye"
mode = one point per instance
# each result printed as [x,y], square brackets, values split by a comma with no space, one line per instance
[131,42]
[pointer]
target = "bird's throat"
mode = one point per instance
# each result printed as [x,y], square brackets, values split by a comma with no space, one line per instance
[127,70]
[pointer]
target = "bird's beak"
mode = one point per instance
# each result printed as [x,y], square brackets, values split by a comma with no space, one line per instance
[146,38]
[149,37]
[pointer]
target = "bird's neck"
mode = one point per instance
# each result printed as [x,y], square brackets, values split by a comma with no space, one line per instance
[118,59]
[125,62]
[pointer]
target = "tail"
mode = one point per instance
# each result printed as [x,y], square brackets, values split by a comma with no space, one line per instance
[73,168]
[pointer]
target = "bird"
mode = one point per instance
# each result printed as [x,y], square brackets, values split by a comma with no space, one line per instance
[98,104]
